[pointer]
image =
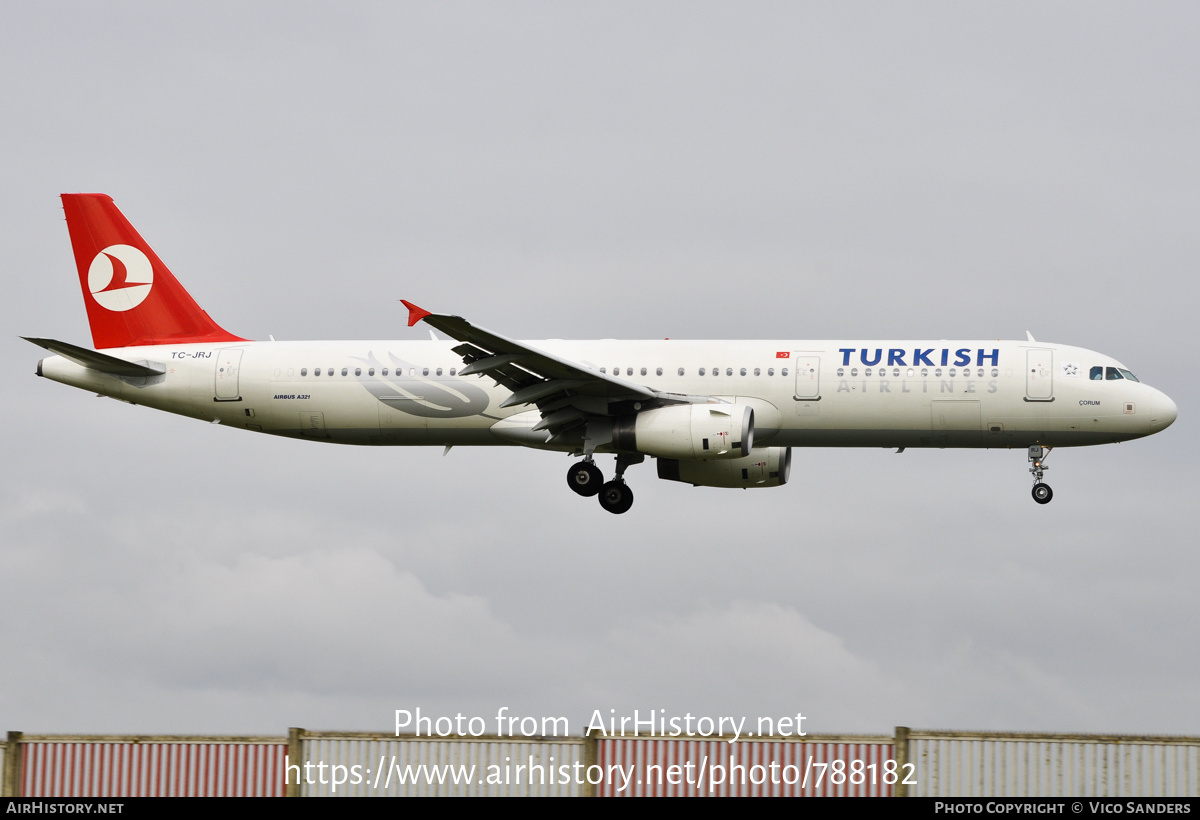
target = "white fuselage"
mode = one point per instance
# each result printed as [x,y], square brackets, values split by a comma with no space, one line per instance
[804,393]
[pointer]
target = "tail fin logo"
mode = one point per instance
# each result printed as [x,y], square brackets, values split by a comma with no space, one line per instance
[120,277]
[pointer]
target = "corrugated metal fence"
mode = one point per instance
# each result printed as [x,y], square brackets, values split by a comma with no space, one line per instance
[854,766]
[144,766]
[1005,764]
[309,763]
[369,764]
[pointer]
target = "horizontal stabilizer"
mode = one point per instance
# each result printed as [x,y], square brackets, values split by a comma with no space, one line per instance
[101,362]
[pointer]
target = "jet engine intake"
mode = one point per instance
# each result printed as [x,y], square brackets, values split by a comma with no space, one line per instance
[688,431]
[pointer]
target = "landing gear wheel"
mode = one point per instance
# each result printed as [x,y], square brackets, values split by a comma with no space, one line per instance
[585,478]
[1042,493]
[616,497]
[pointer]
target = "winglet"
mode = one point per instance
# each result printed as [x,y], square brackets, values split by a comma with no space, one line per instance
[415,314]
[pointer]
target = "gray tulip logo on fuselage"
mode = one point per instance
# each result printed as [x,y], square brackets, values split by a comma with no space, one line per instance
[435,397]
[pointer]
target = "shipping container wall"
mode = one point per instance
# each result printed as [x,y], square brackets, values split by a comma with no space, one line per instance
[914,763]
[384,765]
[677,767]
[151,769]
[979,765]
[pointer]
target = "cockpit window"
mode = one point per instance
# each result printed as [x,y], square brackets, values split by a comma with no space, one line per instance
[1129,375]
[1097,373]
[1112,373]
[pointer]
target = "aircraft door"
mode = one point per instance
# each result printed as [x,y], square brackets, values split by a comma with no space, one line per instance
[1039,375]
[229,362]
[808,376]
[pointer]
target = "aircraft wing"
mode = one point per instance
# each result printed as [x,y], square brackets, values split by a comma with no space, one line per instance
[565,392]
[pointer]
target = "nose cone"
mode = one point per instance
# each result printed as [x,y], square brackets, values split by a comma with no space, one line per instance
[1162,412]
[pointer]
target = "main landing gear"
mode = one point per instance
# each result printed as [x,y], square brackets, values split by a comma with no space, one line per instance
[1037,458]
[586,479]
[616,497]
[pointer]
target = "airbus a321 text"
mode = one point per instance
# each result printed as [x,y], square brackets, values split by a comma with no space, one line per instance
[711,413]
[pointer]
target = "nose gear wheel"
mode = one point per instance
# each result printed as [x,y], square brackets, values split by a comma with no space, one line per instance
[1037,460]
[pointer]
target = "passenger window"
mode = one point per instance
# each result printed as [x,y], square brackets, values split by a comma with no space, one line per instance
[757,372]
[681,372]
[329,372]
[345,371]
[658,372]
[371,372]
[702,371]
[783,372]
[643,371]
[439,371]
[770,371]
[304,371]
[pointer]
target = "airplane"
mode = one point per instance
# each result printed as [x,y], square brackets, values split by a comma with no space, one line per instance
[711,413]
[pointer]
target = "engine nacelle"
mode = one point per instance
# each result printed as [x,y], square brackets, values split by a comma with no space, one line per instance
[764,467]
[688,431]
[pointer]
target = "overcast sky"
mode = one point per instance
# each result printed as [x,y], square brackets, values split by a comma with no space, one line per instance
[602,170]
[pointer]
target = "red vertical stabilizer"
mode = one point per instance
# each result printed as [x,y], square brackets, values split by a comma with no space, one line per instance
[131,296]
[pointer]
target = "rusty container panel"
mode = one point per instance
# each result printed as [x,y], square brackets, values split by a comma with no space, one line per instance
[151,769]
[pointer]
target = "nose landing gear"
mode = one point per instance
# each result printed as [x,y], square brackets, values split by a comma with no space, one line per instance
[1037,459]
